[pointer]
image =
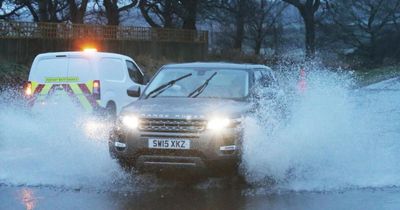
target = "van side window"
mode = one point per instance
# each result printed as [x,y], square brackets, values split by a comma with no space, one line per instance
[112,69]
[80,68]
[134,73]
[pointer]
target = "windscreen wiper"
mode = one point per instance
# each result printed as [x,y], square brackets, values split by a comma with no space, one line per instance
[165,86]
[202,87]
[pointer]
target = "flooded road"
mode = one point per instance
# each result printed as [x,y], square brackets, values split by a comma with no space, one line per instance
[48,198]
[338,151]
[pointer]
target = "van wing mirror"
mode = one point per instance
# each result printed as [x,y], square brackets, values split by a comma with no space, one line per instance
[146,79]
[142,87]
[133,91]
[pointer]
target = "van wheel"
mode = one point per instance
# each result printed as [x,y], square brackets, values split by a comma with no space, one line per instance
[110,113]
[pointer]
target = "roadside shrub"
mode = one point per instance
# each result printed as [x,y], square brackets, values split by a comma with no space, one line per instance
[12,75]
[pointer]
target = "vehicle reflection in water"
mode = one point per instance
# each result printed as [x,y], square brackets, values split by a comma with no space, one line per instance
[184,199]
[199,197]
[28,198]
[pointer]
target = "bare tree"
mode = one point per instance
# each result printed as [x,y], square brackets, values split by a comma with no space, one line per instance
[266,16]
[364,24]
[114,8]
[48,10]
[307,10]
[9,9]
[160,13]
[170,13]
[45,10]
[189,13]
[232,16]
[77,10]
[239,9]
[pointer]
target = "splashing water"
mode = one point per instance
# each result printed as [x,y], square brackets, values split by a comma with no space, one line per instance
[59,145]
[52,145]
[334,138]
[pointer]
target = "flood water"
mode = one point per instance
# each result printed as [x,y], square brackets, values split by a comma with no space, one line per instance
[338,150]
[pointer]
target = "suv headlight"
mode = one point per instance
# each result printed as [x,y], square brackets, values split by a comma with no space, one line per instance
[218,123]
[130,121]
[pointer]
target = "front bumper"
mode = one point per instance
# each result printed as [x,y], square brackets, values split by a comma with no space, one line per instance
[208,149]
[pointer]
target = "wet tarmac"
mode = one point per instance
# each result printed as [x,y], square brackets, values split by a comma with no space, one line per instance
[30,198]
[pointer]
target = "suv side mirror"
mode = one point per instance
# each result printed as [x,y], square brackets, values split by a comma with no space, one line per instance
[133,91]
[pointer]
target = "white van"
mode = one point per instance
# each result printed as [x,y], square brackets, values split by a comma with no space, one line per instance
[96,81]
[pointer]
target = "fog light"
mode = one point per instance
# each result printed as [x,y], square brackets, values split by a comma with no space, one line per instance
[228,148]
[119,144]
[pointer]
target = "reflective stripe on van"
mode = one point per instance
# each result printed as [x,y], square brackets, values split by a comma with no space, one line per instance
[80,93]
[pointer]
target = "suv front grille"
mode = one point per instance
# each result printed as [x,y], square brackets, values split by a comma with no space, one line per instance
[172,125]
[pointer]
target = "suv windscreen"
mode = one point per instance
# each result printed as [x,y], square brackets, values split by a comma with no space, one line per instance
[227,83]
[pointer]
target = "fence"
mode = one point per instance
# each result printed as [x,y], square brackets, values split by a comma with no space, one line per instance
[77,31]
[21,41]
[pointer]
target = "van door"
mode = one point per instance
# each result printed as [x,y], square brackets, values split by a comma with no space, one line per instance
[47,75]
[112,79]
[80,87]
[64,75]
[48,69]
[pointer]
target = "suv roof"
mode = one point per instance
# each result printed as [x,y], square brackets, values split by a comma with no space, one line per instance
[216,65]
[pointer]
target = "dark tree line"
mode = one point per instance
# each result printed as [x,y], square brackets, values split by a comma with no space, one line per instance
[74,11]
[246,19]
[370,27]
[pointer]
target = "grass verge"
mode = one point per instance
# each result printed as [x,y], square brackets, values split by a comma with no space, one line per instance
[13,75]
[370,76]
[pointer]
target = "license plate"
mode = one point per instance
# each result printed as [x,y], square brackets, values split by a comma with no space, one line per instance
[169,143]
